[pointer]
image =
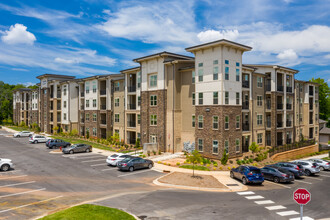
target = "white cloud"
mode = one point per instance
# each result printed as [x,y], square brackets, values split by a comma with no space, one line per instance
[67,61]
[212,35]
[287,55]
[327,56]
[18,35]
[28,83]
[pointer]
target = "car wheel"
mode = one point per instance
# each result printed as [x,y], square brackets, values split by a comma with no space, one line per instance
[308,173]
[232,175]
[131,169]
[87,150]
[35,142]
[276,179]
[322,168]
[5,167]
[71,151]
[150,166]
[18,136]
[244,181]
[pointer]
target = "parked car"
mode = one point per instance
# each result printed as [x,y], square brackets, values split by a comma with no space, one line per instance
[310,167]
[134,163]
[77,148]
[23,134]
[297,170]
[57,143]
[277,175]
[248,174]
[38,139]
[115,158]
[6,164]
[324,165]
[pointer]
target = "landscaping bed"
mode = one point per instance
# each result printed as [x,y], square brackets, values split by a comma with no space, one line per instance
[186,179]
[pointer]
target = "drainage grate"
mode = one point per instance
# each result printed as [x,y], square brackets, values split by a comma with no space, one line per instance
[232,184]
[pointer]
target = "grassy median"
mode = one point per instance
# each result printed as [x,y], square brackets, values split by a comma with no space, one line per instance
[89,212]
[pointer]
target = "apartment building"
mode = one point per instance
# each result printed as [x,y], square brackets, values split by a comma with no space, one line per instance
[211,99]
[26,106]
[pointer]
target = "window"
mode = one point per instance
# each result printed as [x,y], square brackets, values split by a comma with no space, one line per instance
[64,104]
[226,122]
[139,79]
[153,100]
[259,100]
[117,86]
[87,89]
[237,98]
[215,62]
[193,119]
[316,117]
[259,82]
[227,62]
[94,103]
[94,132]
[87,103]
[139,119]
[94,117]
[153,120]
[237,64]
[153,139]
[200,65]
[200,98]
[226,98]
[215,147]
[215,98]
[215,73]
[193,76]
[64,116]
[117,118]
[215,122]
[226,73]
[116,102]
[153,81]
[237,145]
[87,131]
[193,99]
[237,75]
[237,121]
[200,75]
[316,128]
[139,100]
[259,138]
[200,121]
[200,145]
[94,88]
[116,131]
[259,119]
[226,146]
[87,117]
[64,90]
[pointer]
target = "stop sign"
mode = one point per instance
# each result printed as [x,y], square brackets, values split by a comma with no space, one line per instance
[302,196]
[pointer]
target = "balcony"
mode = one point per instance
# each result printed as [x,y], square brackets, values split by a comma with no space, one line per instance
[289,106]
[82,94]
[103,107]
[268,123]
[310,106]
[245,126]
[103,92]
[268,104]
[289,89]
[279,106]
[131,106]
[82,120]
[288,141]
[268,87]
[103,122]
[245,105]
[310,121]
[131,89]
[280,124]
[58,119]
[58,95]
[246,84]
[280,88]
[82,107]
[288,123]
[131,124]
[311,93]
[279,142]
[268,142]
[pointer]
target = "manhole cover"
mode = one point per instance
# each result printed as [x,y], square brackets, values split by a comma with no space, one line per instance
[232,184]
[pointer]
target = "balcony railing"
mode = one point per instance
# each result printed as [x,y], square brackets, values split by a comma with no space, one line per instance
[279,106]
[103,107]
[82,120]
[58,95]
[246,84]
[245,126]
[268,104]
[103,122]
[131,106]
[82,107]
[310,121]
[245,105]
[131,124]
[288,141]
[310,106]
[82,94]
[268,142]
[288,123]
[289,89]
[279,142]
[311,93]
[268,87]
[279,124]
[289,106]
[103,92]
[268,123]
[131,88]
[280,88]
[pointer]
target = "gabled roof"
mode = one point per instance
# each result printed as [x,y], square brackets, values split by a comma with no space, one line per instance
[271,66]
[325,130]
[163,54]
[56,76]
[322,121]
[218,43]
[137,68]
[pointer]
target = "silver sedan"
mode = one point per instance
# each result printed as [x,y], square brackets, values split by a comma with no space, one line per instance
[324,165]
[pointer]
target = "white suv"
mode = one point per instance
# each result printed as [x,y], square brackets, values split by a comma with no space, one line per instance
[23,134]
[5,164]
[38,139]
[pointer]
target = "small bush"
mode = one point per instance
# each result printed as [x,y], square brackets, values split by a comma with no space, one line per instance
[159,162]
[214,168]
[229,168]
[231,162]
[208,165]
[234,167]
[239,162]
[215,165]
[169,164]
[178,164]
[250,160]
[143,156]
[221,168]
[202,163]
[224,158]
[154,152]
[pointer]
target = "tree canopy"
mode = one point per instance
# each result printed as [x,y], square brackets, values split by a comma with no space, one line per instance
[324,98]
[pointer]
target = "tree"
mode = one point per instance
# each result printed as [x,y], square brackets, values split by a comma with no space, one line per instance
[55,130]
[194,157]
[224,158]
[254,147]
[324,98]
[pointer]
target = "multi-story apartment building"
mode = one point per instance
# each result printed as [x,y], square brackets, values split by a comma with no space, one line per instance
[211,99]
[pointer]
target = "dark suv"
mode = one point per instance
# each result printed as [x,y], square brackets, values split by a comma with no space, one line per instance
[57,143]
[248,174]
[296,169]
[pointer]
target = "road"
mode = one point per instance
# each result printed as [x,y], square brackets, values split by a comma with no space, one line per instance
[44,182]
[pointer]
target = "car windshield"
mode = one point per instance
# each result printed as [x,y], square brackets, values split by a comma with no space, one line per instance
[115,155]
[255,171]
[126,159]
[75,145]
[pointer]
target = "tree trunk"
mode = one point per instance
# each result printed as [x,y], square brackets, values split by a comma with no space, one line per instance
[193,169]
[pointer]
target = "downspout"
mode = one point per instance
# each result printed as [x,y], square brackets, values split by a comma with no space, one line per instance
[173,68]
[69,101]
[252,115]
[164,111]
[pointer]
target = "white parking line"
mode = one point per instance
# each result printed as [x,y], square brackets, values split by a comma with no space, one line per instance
[303,181]
[275,207]
[83,158]
[245,193]
[10,171]
[304,218]
[286,213]
[314,178]
[101,164]
[15,194]
[113,168]
[88,161]
[134,173]
[12,177]
[80,155]
[33,203]
[254,197]
[279,184]
[323,175]
[17,184]
[264,202]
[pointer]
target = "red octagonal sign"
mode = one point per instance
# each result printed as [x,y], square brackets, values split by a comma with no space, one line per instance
[302,196]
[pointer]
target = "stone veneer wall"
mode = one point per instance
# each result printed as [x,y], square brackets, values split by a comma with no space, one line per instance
[208,134]
[44,108]
[91,124]
[160,111]
[35,116]
[294,153]
[16,114]
[273,118]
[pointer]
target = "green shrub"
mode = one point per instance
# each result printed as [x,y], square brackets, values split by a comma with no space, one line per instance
[239,162]
[250,160]
[178,164]
[224,158]
[231,162]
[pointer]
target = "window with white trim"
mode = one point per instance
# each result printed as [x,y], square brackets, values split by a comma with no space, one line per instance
[215,122]
[94,117]
[116,102]
[226,122]
[238,121]
[215,98]
[193,99]
[193,119]
[237,143]
[259,138]
[200,98]
[215,73]
[153,100]
[153,80]
[259,81]
[94,132]
[259,100]
[226,98]
[116,118]
[94,103]
[215,147]
[200,145]
[237,98]
[193,77]
[259,119]
[226,146]
[200,121]
[153,120]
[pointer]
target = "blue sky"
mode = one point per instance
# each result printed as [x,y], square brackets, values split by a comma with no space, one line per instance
[84,38]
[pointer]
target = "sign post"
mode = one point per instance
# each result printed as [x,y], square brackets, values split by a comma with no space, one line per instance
[302,197]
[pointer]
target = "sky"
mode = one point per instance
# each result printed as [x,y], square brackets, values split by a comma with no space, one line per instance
[91,37]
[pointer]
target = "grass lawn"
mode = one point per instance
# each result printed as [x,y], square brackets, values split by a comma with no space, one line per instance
[18,128]
[196,167]
[89,212]
[326,158]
